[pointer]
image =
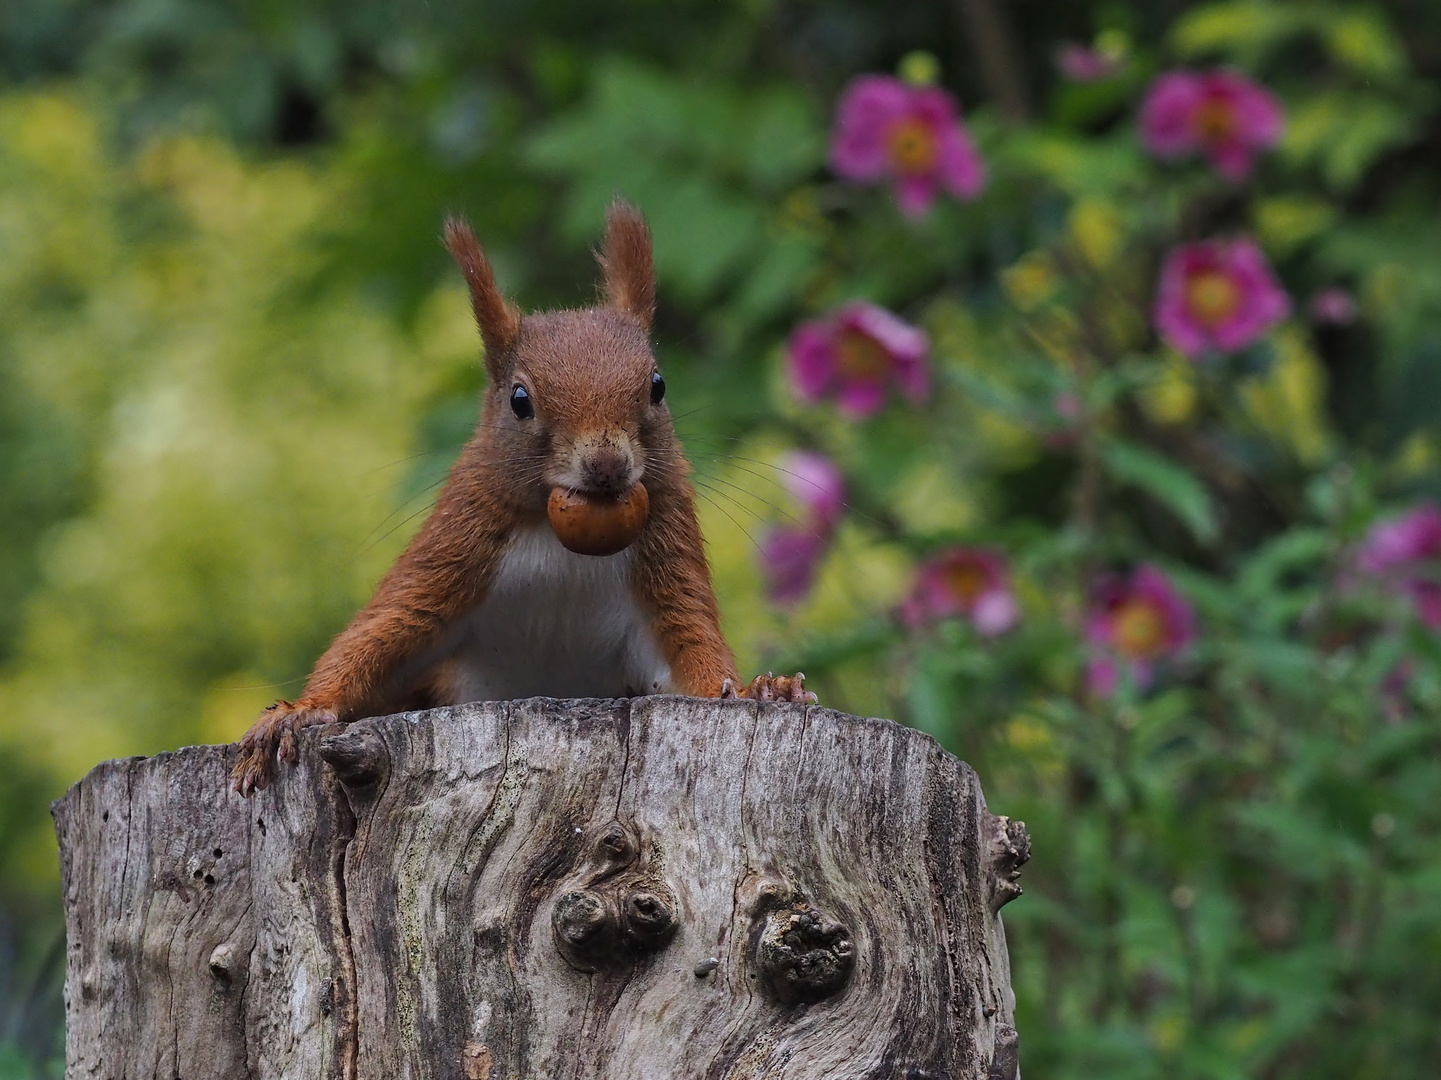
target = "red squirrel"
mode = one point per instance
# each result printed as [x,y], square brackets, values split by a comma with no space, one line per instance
[486,603]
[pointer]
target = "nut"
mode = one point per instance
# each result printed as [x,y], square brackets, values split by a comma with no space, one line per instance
[596,525]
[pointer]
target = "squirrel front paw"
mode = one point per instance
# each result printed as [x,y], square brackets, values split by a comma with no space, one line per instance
[770,687]
[271,739]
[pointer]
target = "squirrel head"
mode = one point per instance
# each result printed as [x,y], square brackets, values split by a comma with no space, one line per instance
[574,397]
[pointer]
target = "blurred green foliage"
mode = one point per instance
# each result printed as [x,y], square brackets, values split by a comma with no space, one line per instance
[234,364]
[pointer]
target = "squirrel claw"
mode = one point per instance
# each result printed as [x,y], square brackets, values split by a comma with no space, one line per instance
[771,687]
[271,739]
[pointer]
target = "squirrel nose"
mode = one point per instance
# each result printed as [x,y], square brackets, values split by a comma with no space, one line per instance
[607,470]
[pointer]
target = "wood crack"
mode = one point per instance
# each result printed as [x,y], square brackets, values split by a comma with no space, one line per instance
[348,1024]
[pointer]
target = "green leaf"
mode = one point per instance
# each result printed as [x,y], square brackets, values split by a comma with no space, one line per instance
[1166,482]
[1363,42]
[1295,550]
[1345,132]
[1242,29]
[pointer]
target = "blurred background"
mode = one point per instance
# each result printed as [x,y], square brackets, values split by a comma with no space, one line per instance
[1063,379]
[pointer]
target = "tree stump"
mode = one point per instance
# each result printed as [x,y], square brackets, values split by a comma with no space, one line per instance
[630,890]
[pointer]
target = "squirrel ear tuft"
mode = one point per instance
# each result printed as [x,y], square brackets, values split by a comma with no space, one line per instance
[497,317]
[627,266]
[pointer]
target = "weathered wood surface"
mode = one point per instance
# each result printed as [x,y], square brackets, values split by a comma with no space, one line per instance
[659,887]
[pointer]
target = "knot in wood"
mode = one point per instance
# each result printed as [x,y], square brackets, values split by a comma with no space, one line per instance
[804,955]
[616,845]
[358,756]
[618,908]
[1006,1058]
[222,959]
[649,919]
[611,925]
[1010,849]
[582,924]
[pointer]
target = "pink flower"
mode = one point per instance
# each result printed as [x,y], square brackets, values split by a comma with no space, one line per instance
[1217,113]
[887,129]
[968,582]
[816,486]
[1217,296]
[1333,306]
[1134,623]
[1085,63]
[855,355]
[790,554]
[1405,553]
[789,558]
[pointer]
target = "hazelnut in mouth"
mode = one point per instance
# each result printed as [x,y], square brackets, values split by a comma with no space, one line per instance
[595,524]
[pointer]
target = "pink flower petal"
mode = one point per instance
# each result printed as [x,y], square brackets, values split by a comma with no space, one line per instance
[1166,128]
[894,334]
[995,613]
[1411,537]
[1102,677]
[1333,306]
[812,360]
[861,398]
[934,107]
[814,482]
[914,194]
[1232,160]
[962,172]
[868,108]
[1261,117]
[789,558]
[1082,63]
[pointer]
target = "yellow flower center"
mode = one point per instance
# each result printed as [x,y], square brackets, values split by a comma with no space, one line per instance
[1215,121]
[862,357]
[967,582]
[913,148]
[1139,630]
[1211,297]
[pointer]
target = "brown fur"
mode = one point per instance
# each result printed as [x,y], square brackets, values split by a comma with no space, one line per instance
[626,263]
[589,374]
[498,319]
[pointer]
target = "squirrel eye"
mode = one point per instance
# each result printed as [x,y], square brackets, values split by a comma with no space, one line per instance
[657,388]
[520,403]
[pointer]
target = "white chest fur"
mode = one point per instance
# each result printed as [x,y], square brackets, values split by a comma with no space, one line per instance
[556,624]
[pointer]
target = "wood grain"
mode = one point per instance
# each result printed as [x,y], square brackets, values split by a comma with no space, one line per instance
[658,887]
